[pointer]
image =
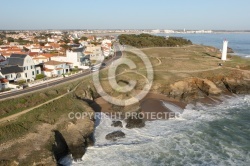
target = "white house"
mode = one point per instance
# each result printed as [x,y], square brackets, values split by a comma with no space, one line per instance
[26,64]
[12,73]
[41,58]
[95,53]
[106,47]
[75,58]
[50,40]
[55,68]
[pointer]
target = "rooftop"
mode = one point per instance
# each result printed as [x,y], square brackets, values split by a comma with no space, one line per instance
[54,63]
[11,69]
[17,59]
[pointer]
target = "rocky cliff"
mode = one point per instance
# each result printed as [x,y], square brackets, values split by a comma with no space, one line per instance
[194,88]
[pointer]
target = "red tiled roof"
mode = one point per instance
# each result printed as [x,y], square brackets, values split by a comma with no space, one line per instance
[55,45]
[49,70]
[40,58]
[48,55]
[33,53]
[54,63]
[15,49]
[3,80]
[88,52]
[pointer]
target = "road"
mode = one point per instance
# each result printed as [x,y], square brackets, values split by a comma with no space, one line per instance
[18,93]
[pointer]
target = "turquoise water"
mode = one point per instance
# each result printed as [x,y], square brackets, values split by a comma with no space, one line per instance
[203,135]
[239,42]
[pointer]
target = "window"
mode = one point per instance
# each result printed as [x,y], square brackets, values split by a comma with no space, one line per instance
[37,72]
[33,73]
[24,68]
[26,75]
[31,67]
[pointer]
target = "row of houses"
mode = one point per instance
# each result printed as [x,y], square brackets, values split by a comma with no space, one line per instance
[20,65]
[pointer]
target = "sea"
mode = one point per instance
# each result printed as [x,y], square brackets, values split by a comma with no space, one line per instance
[239,42]
[202,135]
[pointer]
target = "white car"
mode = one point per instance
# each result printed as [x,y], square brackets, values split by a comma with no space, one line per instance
[94,69]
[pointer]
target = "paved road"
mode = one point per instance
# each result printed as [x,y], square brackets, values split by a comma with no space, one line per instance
[17,93]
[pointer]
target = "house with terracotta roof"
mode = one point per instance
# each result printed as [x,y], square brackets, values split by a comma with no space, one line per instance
[91,38]
[54,46]
[94,52]
[75,57]
[55,68]
[41,58]
[4,83]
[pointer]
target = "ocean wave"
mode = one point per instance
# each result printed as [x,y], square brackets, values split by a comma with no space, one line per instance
[203,135]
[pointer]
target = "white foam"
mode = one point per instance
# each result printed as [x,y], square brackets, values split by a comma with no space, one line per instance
[182,141]
[174,108]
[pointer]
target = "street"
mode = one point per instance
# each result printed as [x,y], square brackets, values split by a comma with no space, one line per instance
[17,93]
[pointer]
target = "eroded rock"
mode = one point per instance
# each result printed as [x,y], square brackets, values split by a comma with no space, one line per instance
[117,124]
[135,122]
[115,135]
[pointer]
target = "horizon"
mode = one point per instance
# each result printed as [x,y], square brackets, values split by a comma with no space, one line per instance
[76,29]
[141,14]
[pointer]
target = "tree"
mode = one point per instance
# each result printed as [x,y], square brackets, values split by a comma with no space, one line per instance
[76,41]
[84,38]
[10,39]
[66,40]
[65,47]
[147,40]
[42,44]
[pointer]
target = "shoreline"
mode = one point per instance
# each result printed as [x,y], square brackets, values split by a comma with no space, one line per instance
[155,103]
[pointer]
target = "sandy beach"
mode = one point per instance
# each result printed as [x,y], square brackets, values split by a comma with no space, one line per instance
[151,104]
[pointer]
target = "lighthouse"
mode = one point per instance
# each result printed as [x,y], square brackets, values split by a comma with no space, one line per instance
[224,51]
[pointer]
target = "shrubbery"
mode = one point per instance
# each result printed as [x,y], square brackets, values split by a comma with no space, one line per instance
[147,40]
[39,76]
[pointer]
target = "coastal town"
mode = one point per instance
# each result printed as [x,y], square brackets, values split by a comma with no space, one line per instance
[31,57]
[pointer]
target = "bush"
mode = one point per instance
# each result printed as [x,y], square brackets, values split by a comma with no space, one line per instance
[147,40]
[39,76]
[21,82]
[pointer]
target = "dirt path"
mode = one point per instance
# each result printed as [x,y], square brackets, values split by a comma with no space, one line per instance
[187,71]
[14,116]
[247,71]
[168,47]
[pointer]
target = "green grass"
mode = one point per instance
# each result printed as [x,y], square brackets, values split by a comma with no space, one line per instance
[15,105]
[49,113]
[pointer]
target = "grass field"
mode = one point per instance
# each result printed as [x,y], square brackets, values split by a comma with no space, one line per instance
[174,64]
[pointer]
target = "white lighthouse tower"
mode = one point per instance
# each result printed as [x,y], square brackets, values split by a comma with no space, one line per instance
[224,51]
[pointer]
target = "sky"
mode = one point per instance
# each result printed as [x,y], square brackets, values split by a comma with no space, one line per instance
[125,14]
